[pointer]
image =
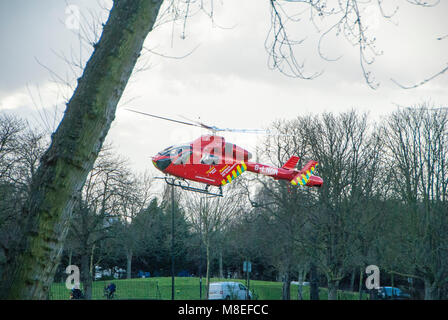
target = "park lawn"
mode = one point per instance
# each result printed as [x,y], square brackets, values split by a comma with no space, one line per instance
[187,288]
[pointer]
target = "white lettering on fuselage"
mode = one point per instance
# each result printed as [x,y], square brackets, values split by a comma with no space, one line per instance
[268,171]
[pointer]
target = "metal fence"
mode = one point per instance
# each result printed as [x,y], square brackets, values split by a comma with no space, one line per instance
[125,289]
[185,289]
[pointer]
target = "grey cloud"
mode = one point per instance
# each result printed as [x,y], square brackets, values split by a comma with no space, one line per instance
[32,30]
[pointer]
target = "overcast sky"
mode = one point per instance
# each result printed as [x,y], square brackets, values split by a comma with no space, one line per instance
[224,80]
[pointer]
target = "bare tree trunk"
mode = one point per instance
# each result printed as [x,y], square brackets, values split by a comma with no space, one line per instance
[430,290]
[352,280]
[75,145]
[86,277]
[300,279]
[314,283]
[286,288]
[91,260]
[361,278]
[221,272]
[129,264]
[333,289]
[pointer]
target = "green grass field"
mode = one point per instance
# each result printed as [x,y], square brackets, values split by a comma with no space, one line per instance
[188,289]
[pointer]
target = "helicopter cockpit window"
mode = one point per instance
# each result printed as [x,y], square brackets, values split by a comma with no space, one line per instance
[209,159]
[183,158]
[166,151]
[175,152]
[180,155]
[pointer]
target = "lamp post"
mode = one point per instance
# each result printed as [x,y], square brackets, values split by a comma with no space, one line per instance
[200,248]
[172,242]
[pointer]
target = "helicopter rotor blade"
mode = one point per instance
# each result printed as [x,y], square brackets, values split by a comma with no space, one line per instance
[202,125]
[212,128]
[216,129]
[163,118]
[256,131]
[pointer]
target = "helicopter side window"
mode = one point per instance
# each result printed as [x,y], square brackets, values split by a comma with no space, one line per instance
[180,154]
[209,159]
[183,158]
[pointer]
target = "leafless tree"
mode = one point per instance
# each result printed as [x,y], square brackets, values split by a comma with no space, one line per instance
[417,145]
[347,19]
[134,196]
[20,149]
[283,206]
[211,216]
[349,155]
[330,224]
[10,129]
[74,149]
[111,197]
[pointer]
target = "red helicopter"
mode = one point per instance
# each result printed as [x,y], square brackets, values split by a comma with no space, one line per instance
[213,161]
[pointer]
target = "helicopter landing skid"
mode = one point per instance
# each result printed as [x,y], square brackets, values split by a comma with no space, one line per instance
[186,186]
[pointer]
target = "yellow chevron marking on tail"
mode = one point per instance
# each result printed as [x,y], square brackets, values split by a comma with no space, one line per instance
[304,178]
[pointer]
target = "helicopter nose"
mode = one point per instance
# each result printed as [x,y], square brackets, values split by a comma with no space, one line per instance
[161,162]
[154,161]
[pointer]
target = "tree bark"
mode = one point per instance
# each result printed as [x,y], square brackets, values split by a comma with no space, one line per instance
[314,283]
[430,290]
[352,280]
[361,278]
[32,263]
[333,289]
[86,276]
[300,285]
[92,254]
[221,271]
[129,264]
[286,288]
